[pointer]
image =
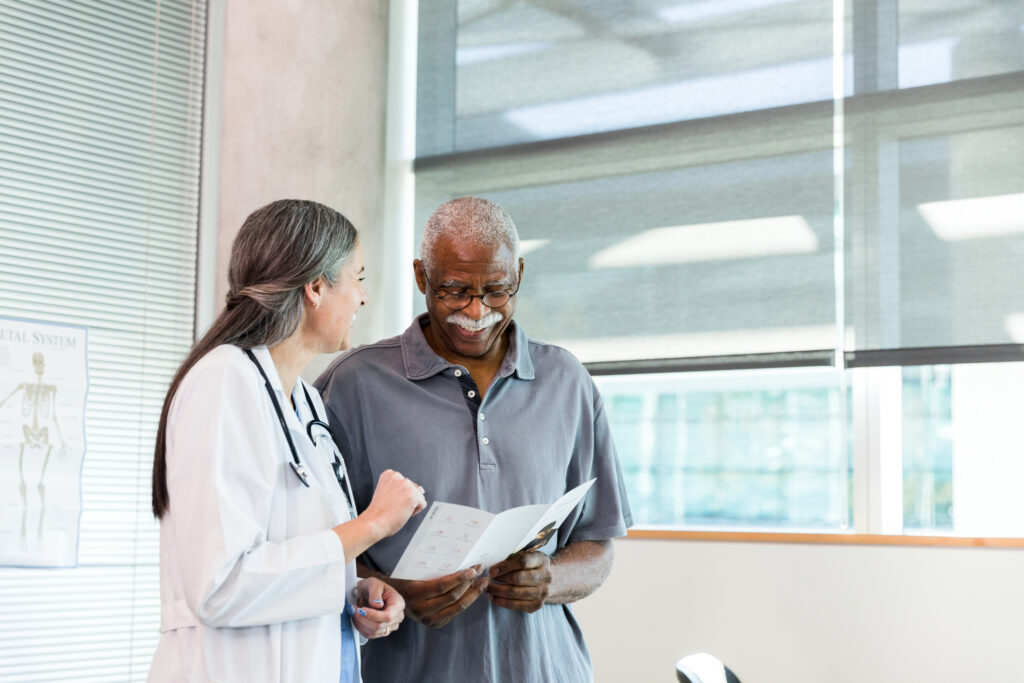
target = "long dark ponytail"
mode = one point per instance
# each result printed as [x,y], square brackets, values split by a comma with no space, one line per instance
[278,250]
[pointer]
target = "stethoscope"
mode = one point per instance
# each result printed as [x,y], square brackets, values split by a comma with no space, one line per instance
[340,473]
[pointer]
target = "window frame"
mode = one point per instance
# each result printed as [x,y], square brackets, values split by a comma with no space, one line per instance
[891,114]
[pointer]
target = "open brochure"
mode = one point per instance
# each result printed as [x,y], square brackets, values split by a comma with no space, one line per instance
[454,537]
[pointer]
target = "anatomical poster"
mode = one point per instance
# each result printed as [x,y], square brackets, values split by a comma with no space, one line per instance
[43,387]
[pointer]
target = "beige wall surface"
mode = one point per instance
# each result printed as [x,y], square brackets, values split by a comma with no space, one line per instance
[303,101]
[808,613]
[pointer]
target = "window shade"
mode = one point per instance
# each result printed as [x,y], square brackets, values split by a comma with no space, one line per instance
[680,171]
[100,129]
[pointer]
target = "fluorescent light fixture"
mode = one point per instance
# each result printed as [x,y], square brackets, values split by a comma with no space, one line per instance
[696,11]
[475,54]
[751,90]
[1014,326]
[926,62]
[774,85]
[527,246]
[710,242]
[964,219]
[695,344]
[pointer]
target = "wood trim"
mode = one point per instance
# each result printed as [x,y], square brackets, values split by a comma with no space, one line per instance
[825,538]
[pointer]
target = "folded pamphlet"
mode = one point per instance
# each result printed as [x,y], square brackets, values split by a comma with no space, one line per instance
[455,537]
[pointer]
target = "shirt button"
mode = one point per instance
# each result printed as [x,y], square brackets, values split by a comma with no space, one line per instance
[485,441]
[481,416]
[471,394]
[458,373]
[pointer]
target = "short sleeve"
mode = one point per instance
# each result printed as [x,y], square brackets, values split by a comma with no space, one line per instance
[605,511]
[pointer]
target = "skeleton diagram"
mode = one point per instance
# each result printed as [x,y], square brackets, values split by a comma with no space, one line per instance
[39,404]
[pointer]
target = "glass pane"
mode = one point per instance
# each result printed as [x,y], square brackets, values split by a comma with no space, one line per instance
[539,71]
[927,449]
[750,449]
[711,260]
[950,40]
[962,455]
[939,259]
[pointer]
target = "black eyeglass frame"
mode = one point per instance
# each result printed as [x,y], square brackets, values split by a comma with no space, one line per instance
[483,297]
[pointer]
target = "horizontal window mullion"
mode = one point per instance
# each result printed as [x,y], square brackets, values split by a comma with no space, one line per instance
[937,355]
[754,361]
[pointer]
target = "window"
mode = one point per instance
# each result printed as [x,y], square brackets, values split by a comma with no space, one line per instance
[100,128]
[786,237]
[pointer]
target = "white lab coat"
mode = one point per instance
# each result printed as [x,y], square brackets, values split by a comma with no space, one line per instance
[252,578]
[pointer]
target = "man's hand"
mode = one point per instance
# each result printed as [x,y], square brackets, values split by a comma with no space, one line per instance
[521,582]
[436,602]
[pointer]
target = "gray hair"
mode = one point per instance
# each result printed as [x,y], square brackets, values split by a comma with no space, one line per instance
[279,249]
[469,219]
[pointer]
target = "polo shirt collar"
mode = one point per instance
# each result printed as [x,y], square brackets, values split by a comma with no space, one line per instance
[422,362]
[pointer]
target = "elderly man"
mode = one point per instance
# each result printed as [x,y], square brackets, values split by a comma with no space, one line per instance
[464,403]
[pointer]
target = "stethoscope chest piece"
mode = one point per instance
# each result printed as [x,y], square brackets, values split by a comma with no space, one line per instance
[301,472]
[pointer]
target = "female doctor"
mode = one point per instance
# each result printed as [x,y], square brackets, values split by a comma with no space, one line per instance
[258,536]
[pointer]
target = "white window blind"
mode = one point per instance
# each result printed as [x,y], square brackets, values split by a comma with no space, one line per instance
[100,129]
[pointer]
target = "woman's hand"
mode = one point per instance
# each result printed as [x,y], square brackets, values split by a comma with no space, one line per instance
[395,500]
[378,610]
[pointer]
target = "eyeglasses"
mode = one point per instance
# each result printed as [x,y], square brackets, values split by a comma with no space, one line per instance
[456,301]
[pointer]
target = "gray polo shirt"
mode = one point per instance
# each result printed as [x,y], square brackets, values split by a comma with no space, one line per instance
[539,431]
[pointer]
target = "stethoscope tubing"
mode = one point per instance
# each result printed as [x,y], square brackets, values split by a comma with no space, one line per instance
[340,471]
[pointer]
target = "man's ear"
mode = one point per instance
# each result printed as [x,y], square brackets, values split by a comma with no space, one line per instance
[418,272]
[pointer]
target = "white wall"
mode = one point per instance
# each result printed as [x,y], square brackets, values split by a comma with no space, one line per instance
[782,613]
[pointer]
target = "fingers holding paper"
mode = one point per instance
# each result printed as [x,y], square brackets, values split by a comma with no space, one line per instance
[436,602]
[521,582]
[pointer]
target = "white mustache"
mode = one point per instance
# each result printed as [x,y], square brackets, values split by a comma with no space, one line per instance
[467,323]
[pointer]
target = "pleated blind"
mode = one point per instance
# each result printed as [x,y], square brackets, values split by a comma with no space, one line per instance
[100,129]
